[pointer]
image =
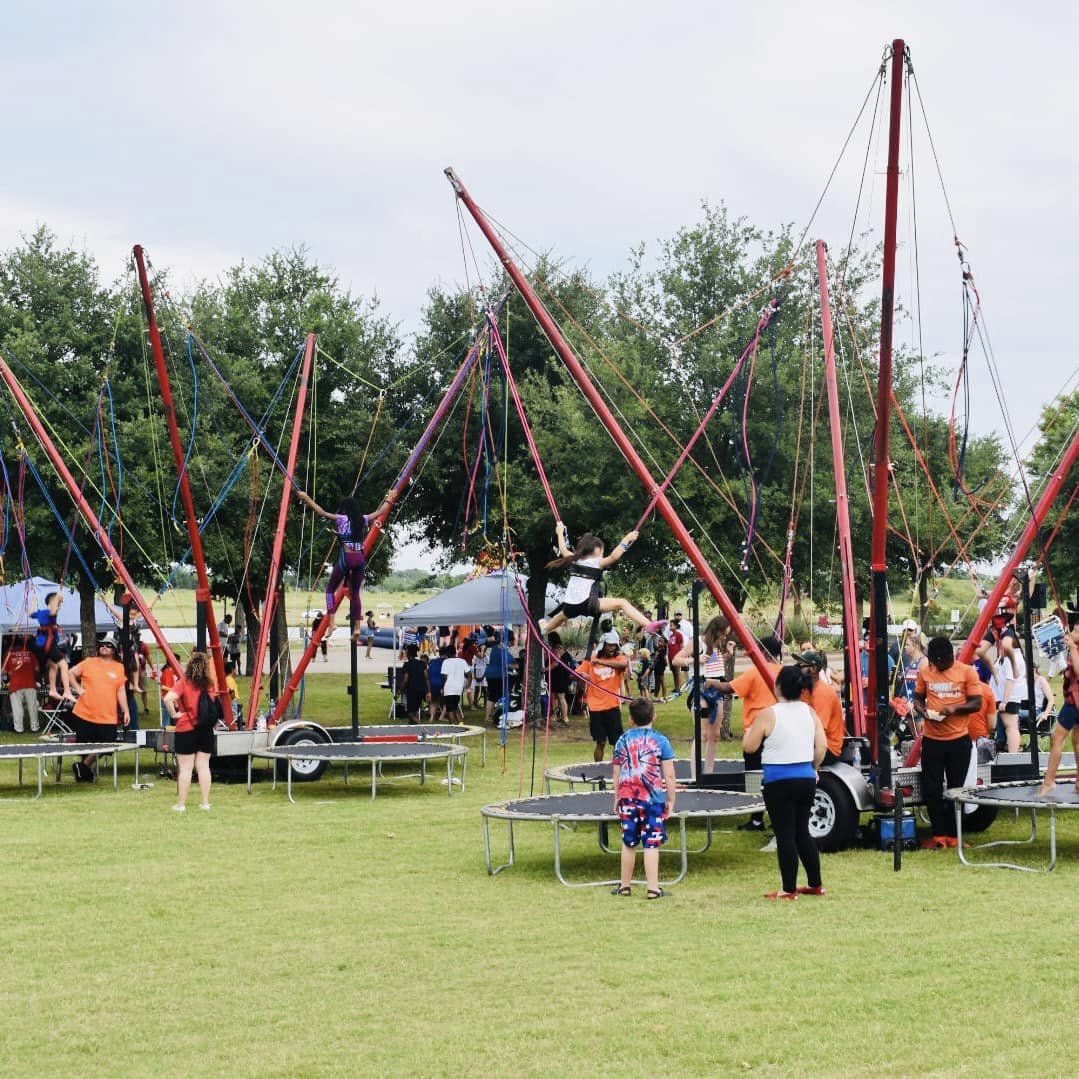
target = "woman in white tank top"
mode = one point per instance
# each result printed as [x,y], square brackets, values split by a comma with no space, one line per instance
[794,744]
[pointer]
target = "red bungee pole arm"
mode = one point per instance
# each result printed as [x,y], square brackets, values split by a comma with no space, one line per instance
[1026,541]
[269,609]
[202,595]
[879,681]
[633,458]
[384,511]
[851,633]
[88,515]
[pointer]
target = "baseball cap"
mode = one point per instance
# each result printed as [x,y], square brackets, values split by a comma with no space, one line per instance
[810,659]
[610,637]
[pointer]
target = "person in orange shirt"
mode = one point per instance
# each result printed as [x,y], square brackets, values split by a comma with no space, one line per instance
[946,695]
[756,695]
[979,721]
[825,702]
[101,682]
[604,681]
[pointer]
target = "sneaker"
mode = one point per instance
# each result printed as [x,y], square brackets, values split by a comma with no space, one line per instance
[751,825]
[780,895]
[937,842]
[819,890]
[205,805]
[769,847]
[179,809]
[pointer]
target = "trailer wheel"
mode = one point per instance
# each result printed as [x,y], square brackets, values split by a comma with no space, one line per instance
[833,820]
[980,819]
[303,770]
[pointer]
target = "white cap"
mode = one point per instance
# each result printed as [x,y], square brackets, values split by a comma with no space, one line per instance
[610,637]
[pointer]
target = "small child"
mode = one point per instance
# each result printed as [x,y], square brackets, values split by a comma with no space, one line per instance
[644,672]
[644,786]
[47,646]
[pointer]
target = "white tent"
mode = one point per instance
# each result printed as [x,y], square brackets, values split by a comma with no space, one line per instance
[19,601]
[490,600]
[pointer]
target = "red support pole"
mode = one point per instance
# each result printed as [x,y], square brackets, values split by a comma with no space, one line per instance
[88,515]
[1026,540]
[379,521]
[633,458]
[878,713]
[846,549]
[269,609]
[202,594]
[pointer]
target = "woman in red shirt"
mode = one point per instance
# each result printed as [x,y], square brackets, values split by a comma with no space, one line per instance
[194,740]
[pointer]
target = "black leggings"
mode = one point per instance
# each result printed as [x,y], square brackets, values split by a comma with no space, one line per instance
[789,802]
[944,765]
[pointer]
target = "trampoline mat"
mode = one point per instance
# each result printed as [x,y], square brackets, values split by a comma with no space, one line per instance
[597,805]
[30,750]
[409,730]
[595,773]
[362,751]
[1021,795]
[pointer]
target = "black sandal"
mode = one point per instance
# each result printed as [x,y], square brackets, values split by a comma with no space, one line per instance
[660,893]
[622,890]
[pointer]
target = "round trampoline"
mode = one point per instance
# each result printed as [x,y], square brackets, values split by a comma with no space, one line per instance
[44,751]
[598,776]
[414,732]
[597,807]
[1021,795]
[375,754]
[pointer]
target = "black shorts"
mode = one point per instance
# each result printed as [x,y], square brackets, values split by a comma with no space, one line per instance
[436,696]
[200,740]
[1012,708]
[495,688]
[48,653]
[452,702]
[85,731]
[605,726]
[588,608]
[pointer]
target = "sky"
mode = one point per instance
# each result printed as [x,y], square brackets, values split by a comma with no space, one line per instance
[214,132]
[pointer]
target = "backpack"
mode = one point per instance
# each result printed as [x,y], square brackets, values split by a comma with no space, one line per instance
[209,710]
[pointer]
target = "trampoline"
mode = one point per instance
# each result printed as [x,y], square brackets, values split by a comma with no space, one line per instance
[454,733]
[598,776]
[1017,796]
[43,751]
[597,807]
[375,754]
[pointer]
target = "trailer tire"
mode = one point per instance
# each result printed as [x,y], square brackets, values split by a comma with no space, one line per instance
[833,820]
[303,771]
[980,819]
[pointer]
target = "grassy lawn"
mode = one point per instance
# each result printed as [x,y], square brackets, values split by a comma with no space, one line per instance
[343,936]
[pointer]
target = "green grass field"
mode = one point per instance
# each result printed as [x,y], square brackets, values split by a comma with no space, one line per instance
[341,936]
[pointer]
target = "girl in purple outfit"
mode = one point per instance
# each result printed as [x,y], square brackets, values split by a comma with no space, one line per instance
[350,525]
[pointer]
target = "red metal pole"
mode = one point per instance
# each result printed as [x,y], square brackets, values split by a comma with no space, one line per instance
[879,682]
[1026,540]
[202,594]
[842,501]
[270,605]
[88,515]
[633,458]
[379,521]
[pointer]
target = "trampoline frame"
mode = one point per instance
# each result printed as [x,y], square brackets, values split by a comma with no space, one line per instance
[558,774]
[970,796]
[500,811]
[432,751]
[42,751]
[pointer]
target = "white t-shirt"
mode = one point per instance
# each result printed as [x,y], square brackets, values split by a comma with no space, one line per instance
[453,677]
[1014,675]
[578,589]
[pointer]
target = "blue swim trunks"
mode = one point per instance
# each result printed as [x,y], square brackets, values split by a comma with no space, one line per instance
[642,822]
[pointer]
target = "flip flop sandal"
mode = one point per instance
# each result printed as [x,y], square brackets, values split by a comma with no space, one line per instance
[620,890]
[661,894]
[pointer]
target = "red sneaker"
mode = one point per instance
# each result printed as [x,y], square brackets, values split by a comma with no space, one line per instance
[780,895]
[819,890]
[938,842]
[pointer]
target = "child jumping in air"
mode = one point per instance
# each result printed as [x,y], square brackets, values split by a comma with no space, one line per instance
[47,646]
[644,784]
[588,562]
[351,528]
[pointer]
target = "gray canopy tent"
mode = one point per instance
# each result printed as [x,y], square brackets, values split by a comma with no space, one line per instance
[19,601]
[490,600]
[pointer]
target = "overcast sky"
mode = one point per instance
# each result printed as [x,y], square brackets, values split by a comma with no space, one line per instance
[217,130]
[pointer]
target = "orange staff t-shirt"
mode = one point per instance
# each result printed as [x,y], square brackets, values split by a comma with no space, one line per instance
[825,702]
[947,689]
[979,721]
[754,693]
[604,682]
